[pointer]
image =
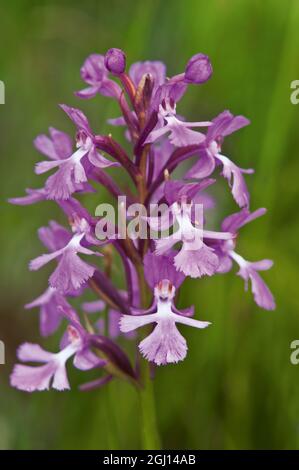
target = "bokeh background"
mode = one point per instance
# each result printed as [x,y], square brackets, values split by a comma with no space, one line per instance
[237,388]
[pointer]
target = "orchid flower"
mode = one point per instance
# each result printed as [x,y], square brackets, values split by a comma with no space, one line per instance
[210,155]
[165,344]
[72,166]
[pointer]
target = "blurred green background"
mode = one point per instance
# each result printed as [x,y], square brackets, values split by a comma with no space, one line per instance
[237,388]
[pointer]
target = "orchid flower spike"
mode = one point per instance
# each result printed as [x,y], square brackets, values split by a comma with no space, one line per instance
[167,161]
[165,344]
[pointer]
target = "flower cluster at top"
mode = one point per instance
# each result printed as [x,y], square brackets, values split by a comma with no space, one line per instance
[153,270]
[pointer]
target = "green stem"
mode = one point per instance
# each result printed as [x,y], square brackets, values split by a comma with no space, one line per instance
[149,430]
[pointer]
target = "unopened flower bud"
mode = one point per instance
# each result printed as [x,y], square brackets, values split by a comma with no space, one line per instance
[115,61]
[198,69]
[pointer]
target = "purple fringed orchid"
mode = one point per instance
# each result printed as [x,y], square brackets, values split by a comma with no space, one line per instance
[195,258]
[136,280]
[180,132]
[72,166]
[90,351]
[247,270]
[210,156]
[53,372]
[71,271]
[165,344]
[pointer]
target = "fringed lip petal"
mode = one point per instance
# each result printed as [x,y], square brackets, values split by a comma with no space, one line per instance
[71,272]
[196,263]
[165,345]
[31,379]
